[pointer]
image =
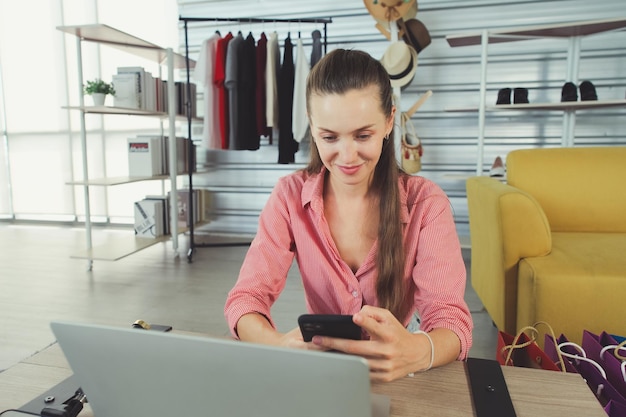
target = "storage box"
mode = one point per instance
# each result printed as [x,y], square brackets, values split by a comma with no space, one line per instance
[144,156]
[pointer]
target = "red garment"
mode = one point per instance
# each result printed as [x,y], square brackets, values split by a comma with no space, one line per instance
[293,224]
[218,79]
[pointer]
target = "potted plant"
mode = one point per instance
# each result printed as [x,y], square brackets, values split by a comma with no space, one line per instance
[98,89]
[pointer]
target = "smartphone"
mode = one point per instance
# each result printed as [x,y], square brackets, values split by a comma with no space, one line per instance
[333,325]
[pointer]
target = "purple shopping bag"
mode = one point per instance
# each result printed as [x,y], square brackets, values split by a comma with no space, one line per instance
[614,409]
[593,345]
[595,377]
[551,350]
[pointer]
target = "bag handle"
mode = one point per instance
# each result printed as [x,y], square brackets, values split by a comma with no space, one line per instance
[407,127]
[617,348]
[617,355]
[583,357]
[534,333]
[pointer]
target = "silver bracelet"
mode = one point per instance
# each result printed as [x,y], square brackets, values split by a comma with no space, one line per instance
[432,351]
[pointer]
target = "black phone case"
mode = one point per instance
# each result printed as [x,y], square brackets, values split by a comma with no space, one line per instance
[333,325]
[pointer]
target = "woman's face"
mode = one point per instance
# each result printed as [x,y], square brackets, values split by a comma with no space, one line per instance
[349,130]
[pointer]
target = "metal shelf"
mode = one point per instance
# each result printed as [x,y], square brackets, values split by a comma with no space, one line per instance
[104,34]
[118,39]
[573,32]
[567,105]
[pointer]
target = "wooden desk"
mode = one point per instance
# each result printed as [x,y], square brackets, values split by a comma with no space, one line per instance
[440,392]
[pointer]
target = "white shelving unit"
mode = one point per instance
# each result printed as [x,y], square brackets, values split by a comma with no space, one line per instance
[573,32]
[103,34]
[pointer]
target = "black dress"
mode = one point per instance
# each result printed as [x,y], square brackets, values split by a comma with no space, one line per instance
[287,145]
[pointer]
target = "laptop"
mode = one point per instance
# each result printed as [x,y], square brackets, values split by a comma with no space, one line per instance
[133,372]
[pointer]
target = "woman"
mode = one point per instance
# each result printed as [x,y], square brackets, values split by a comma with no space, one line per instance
[370,240]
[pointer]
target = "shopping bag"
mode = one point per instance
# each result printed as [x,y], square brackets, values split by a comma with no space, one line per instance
[615,409]
[523,351]
[411,147]
[605,350]
[550,347]
[592,372]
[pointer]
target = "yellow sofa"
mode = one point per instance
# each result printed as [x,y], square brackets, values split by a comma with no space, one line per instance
[550,243]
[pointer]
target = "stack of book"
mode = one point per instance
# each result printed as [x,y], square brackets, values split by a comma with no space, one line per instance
[136,88]
[201,206]
[151,217]
[152,214]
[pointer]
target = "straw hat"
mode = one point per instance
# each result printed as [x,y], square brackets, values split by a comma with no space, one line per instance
[414,33]
[385,11]
[400,61]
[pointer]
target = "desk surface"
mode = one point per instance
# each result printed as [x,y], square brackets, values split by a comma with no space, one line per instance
[441,392]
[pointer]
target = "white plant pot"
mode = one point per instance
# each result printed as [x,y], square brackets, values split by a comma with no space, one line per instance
[98,99]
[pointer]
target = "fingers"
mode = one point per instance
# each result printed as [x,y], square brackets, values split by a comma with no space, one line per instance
[379,323]
[365,348]
[381,364]
[293,339]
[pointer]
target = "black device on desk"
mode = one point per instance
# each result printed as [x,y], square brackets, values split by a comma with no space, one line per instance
[63,400]
[333,325]
[140,324]
[490,394]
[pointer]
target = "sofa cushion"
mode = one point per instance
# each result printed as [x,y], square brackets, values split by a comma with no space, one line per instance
[580,189]
[579,286]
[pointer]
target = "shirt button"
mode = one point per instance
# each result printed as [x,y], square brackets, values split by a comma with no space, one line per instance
[355,293]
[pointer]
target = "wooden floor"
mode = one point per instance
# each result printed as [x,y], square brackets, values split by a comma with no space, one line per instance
[39,282]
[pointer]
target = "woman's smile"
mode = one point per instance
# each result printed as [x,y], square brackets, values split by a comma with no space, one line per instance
[349,170]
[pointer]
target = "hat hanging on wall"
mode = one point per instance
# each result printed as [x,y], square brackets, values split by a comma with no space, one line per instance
[414,33]
[385,11]
[400,61]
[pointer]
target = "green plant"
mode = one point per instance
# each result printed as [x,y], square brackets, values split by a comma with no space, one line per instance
[98,86]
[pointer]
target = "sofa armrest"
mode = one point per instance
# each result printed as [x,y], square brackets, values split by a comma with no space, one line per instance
[506,224]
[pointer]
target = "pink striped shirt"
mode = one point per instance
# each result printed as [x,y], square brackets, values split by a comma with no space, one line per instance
[292,224]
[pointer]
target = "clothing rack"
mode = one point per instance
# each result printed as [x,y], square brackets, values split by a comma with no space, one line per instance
[186,21]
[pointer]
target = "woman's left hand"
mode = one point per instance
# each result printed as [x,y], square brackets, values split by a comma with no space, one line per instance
[392,352]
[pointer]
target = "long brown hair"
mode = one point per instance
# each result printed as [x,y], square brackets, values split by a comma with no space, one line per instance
[338,72]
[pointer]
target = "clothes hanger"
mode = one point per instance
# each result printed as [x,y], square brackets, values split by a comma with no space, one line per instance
[217,30]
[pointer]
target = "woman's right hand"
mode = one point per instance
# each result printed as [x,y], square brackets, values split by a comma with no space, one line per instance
[293,339]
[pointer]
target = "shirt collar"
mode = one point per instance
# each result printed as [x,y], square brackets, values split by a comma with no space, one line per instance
[313,190]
